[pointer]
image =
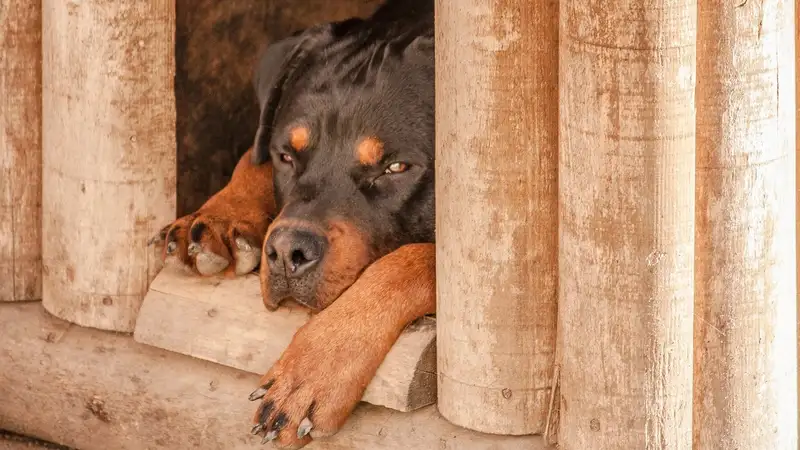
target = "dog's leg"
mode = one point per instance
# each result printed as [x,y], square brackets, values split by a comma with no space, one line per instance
[322,375]
[227,232]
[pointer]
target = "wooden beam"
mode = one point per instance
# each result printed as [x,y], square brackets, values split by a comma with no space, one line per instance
[496,211]
[108,154]
[224,321]
[797,174]
[627,168]
[20,150]
[96,390]
[745,372]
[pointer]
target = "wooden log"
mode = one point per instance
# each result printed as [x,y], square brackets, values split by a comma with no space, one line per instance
[224,321]
[496,211]
[745,284]
[20,150]
[109,155]
[96,390]
[626,177]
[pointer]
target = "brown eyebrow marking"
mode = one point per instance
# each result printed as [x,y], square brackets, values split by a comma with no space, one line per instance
[298,138]
[369,151]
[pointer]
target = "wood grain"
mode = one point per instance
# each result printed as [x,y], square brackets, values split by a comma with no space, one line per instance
[496,211]
[96,390]
[225,321]
[626,174]
[20,150]
[745,288]
[109,155]
[797,170]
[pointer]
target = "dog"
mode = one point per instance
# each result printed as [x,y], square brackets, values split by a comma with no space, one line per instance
[334,205]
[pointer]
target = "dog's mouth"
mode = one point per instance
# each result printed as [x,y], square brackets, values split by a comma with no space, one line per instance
[282,289]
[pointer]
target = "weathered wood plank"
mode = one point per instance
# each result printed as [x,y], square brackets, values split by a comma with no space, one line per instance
[108,155]
[626,232]
[20,150]
[497,178]
[97,390]
[224,321]
[745,308]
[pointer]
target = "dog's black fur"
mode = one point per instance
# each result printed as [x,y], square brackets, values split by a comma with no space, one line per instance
[345,81]
[353,230]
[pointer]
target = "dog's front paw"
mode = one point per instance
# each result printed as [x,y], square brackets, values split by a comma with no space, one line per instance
[212,242]
[226,233]
[311,391]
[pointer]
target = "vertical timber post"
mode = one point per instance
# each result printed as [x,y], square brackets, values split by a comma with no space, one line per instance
[745,285]
[797,177]
[20,150]
[109,155]
[496,211]
[626,172]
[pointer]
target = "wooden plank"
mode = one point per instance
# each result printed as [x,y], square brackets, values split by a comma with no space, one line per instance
[20,150]
[224,321]
[797,172]
[745,373]
[496,211]
[626,187]
[108,155]
[97,390]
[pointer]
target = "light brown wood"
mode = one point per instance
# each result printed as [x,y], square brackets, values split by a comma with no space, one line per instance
[96,390]
[626,174]
[225,321]
[797,172]
[745,363]
[109,155]
[20,150]
[496,211]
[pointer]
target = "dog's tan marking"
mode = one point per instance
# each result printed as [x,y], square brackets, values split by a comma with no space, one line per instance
[298,138]
[369,151]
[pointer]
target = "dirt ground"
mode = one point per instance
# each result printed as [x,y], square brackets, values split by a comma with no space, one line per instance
[12,441]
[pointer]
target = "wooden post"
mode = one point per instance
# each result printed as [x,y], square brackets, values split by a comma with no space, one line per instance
[626,174]
[20,150]
[745,293]
[797,173]
[496,211]
[109,155]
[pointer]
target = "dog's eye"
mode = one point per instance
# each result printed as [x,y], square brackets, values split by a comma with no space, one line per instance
[286,158]
[396,167]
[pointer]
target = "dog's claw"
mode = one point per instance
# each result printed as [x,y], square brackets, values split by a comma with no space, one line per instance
[243,245]
[269,437]
[258,393]
[171,247]
[247,256]
[257,428]
[193,249]
[304,428]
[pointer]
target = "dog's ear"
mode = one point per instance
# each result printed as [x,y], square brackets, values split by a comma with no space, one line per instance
[272,72]
[275,72]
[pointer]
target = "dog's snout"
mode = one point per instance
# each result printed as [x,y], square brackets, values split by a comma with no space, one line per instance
[294,252]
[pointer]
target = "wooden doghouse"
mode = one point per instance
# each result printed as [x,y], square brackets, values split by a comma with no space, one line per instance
[616,227]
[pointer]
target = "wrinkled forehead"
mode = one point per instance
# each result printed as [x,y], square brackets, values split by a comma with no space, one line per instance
[344,116]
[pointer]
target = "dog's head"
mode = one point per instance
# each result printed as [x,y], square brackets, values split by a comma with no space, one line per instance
[347,121]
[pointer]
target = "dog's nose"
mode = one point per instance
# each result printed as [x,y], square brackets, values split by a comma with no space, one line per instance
[294,252]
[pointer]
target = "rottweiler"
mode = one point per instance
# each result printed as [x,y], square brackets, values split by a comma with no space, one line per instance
[334,204]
